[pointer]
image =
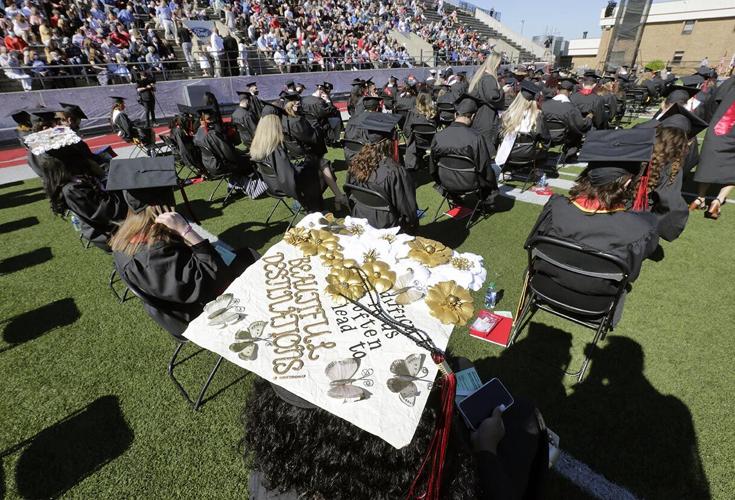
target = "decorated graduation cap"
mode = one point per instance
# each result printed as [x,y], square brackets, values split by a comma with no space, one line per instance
[379,126]
[51,139]
[73,109]
[611,154]
[466,104]
[144,181]
[529,90]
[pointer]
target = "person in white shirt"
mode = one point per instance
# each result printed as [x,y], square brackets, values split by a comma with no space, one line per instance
[705,62]
[216,48]
[279,58]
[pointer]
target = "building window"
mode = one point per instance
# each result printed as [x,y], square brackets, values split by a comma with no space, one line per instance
[678,56]
[688,27]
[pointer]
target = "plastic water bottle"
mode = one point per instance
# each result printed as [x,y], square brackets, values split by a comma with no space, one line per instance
[542,182]
[76,223]
[491,296]
[296,206]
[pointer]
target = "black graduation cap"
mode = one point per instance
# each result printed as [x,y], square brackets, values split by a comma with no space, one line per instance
[529,90]
[592,74]
[290,95]
[244,93]
[368,82]
[678,116]
[326,86]
[567,83]
[43,115]
[117,98]
[379,126]
[624,78]
[290,84]
[251,84]
[21,117]
[610,154]
[144,181]
[466,104]
[273,108]
[73,109]
[371,101]
[391,77]
[183,108]
[358,82]
[692,81]
[680,93]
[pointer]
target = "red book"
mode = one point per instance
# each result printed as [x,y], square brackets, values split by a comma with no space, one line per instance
[492,328]
[458,212]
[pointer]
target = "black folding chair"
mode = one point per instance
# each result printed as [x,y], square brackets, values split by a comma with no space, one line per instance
[351,147]
[459,178]
[218,177]
[270,177]
[599,279]
[446,113]
[525,155]
[558,131]
[179,341]
[372,200]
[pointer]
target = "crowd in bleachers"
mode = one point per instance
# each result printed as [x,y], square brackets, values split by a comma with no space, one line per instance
[54,43]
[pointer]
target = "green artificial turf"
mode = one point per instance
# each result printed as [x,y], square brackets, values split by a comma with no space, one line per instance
[88,411]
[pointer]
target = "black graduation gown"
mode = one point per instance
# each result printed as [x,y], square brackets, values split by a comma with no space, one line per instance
[98,210]
[459,139]
[525,149]
[717,158]
[414,155]
[219,157]
[610,104]
[447,98]
[492,97]
[301,138]
[31,158]
[183,278]
[190,154]
[124,126]
[318,112]
[569,114]
[257,106]
[591,103]
[692,158]
[354,133]
[246,122]
[667,204]
[301,182]
[389,95]
[396,184]
[651,88]
[403,105]
[631,236]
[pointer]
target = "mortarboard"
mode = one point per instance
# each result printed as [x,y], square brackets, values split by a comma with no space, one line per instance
[290,95]
[623,78]
[692,81]
[358,82]
[391,77]
[290,84]
[379,126]
[567,83]
[677,116]
[43,115]
[466,104]
[183,108]
[73,109]
[529,90]
[273,108]
[680,93]
[611,154]
[326,86]
[251,84]
[117,98]
[371,101]
[144,181]
[21,117]
[244,93]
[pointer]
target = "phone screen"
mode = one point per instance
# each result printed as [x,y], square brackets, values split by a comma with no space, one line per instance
[480,404]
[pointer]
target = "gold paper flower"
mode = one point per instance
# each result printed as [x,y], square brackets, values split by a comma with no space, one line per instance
[390,238]
[379,275]
[320,242]
[332,259]
[450,303]
[332,223]
[461,263]
[342,283]
[353,230]
[429,252]
[296,236]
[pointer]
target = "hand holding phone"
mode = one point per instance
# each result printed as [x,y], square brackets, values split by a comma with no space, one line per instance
[490,433]
[480,404]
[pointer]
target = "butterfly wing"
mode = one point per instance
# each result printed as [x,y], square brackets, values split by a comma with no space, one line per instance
[408,394]
[239,346]
[415,363]
[397,384]
[409,295]
[342,369]
[243,335]
[348,391]
[256,328]
[249,352]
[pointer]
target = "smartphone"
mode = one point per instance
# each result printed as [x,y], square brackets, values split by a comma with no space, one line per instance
[480,404]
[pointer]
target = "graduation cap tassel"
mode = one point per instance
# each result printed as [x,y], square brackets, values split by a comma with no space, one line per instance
[436,454]
[640,203]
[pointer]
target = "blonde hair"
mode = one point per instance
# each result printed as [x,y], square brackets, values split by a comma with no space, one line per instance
[290,108]
[138,230]
[268,136]
[513,117]
[490,66]
[425,106]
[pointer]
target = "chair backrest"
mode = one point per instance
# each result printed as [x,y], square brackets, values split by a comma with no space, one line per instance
[557,130]
[270,177]
[526,149]
[584,269]
[424,134]
[457,174]
[368,198]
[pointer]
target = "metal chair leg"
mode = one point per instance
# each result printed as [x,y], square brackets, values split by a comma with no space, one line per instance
[172,364]
[522,321]
[472,215]
[273,210]
[436,215]
[206,384]
[211,196]
[293,219]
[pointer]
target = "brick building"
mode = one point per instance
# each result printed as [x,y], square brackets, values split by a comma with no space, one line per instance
[680,33]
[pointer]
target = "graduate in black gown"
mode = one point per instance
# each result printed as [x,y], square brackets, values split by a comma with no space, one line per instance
[445,100]
[74,181]
[390,93]
[181,134]
[422,116]
[485,88]
[717,160]
[684,96]
[158,252]
[374,168]
[219,156]
[675,129]
[357,91]
[561,109]
[595,214]
[297,179]
[121,123]
[40,119]
[523,129]
[71,116]
[323,116]
[406,100]
[146,88]
[258,105]
[245,118]
[353,132]
[589,103]
[460,138]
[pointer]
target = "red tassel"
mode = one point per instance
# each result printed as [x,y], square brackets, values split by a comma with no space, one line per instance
[640,204]
[395,150]
[435,456]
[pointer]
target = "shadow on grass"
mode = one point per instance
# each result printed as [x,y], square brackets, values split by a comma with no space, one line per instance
[253,234]
[25,260]
[62,455]
[615,421]
[15,225]
[22,197]
[35,323]
[203,209]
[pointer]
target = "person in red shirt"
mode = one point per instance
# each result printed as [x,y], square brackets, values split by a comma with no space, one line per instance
[120,38]
[14,42]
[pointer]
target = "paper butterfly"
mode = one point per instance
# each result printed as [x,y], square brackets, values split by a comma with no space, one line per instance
[407,372]
[408,289]
[223,311]
[248,348]
[341,374]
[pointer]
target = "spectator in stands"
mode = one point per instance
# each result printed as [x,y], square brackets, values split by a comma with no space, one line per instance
[164,16]
[216,49]
[185,41]
[11,67]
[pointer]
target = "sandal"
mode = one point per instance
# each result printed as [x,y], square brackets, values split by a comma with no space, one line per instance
[713,212]
[697,204]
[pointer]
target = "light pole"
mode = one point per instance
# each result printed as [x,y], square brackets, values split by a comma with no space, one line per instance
[523,22]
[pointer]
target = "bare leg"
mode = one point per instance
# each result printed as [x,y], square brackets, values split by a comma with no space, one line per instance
[713,212]
[724,193]
[699,202]
[339,197]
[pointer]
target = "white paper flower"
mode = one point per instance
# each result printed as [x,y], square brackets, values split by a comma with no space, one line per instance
[50,139]
[311,221]
[411,283]
[367,248]
[466,269]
